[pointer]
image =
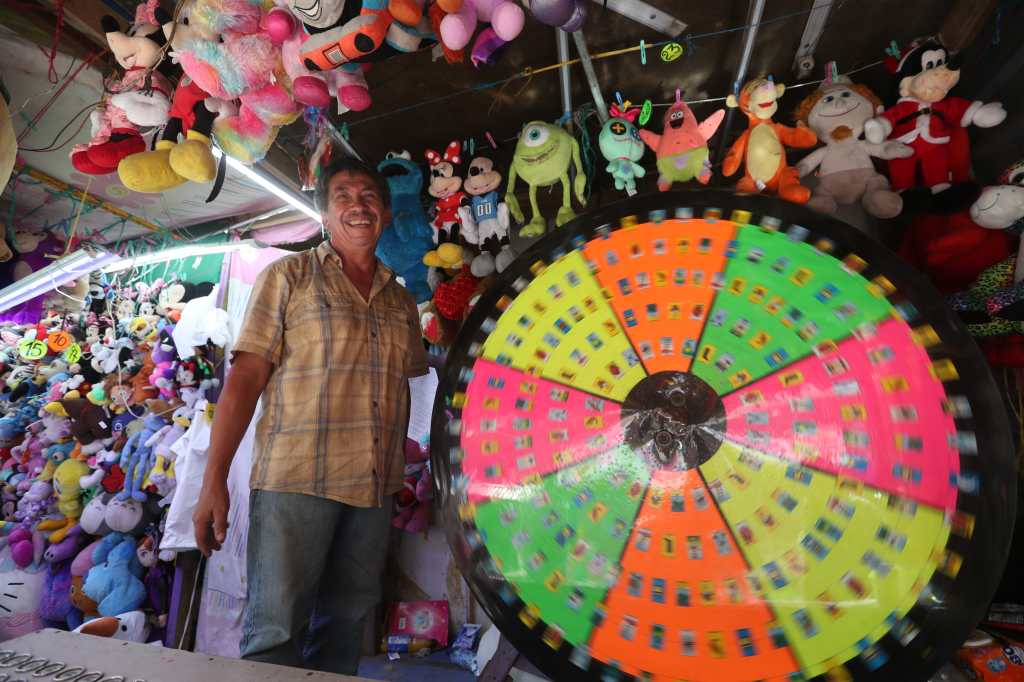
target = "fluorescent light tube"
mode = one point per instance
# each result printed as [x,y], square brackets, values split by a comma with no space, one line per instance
[178,253]
[57,274]
[271,186]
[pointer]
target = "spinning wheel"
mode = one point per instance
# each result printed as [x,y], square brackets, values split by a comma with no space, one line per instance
[702,436]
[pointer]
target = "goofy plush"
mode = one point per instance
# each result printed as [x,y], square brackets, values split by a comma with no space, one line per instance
[929,121]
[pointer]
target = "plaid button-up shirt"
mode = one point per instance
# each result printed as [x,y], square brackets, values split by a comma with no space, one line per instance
[336,407]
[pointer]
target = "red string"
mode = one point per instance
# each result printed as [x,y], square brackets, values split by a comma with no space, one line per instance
[53,98]
[52,71]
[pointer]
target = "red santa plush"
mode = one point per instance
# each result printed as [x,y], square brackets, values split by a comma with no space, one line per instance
[929,121]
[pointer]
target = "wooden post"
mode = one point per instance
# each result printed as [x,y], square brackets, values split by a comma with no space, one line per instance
[965,21]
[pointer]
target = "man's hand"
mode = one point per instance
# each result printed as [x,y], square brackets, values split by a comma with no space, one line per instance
[210,517]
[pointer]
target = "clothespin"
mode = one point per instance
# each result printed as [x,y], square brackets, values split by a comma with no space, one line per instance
[643,53]
[771,78]
[679,95]
[490,138]
[831,73]
[618,98]
[893,50]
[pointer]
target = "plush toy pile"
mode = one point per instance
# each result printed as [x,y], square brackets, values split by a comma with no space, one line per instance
[96,405]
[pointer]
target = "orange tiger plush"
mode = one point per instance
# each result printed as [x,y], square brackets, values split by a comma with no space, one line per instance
[762,146]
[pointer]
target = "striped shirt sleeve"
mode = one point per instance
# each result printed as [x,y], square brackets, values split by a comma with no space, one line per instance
[262,331]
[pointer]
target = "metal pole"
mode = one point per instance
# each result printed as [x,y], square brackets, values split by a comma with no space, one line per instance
[562,39]
[588,70]
[753,19]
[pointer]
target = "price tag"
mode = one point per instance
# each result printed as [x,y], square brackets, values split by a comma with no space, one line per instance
[32,349]
[58,341]
[671,52]
[73,354]
[645,112]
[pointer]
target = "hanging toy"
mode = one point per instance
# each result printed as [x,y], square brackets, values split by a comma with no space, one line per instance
[485,221]
[506,21]
[762,146]
[621,146]
[929,121]
[192,114]
[837,112]
[542,157]
[140,97]
[682,147]
[446,187]
[408,236]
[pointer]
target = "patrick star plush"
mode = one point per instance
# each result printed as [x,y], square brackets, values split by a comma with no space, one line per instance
[682,147]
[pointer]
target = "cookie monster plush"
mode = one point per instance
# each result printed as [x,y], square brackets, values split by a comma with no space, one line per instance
[408,236]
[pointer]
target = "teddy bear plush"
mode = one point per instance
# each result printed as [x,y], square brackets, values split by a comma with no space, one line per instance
[837,113]
[140,96]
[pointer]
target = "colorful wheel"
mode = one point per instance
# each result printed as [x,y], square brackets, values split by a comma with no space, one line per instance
[711,437]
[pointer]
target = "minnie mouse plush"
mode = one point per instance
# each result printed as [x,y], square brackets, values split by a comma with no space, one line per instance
[446,187]
[141,96]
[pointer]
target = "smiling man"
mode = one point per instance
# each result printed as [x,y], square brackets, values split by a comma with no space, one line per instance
[330,340]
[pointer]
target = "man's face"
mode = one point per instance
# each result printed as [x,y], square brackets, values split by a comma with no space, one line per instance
[355,213]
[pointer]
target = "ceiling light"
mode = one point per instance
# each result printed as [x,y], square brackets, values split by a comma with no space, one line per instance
[271,186]
[56,274]
[178,253]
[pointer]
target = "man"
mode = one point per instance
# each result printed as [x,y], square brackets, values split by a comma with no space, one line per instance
[330,339]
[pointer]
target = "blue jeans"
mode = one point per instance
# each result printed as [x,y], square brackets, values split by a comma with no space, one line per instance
[311,559]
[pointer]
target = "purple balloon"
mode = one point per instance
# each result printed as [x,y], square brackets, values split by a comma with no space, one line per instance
[552,12]
[579,15]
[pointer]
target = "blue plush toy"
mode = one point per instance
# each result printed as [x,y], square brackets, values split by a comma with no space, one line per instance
[135,459]
[408,236]
[115,584]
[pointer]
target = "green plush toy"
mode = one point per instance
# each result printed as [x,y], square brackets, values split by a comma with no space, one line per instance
[542,158]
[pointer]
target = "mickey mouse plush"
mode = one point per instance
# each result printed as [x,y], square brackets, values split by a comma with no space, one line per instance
[929,121]
[485,221]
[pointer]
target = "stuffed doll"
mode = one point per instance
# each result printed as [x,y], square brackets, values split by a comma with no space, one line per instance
[90,418]
[135,459]
[542,157]
[314,88]
[412,502]
[485,221]
[344,31]
[115,583]
[837,112]
[761,147]
[192,113]
[446,188]
[454,290]
[133,626]
[35,251]
[953,248]
[140,97]
[229,54]
[408,236]
[1002,208]
[929,121]
[162,473]
[622,147]
[66,485]
[506,21]
[682,147]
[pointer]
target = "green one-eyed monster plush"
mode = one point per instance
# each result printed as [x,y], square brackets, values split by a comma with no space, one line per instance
[541,159]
